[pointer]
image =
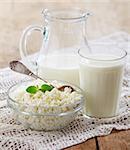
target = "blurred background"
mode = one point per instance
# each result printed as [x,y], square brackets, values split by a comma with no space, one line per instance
[109,16]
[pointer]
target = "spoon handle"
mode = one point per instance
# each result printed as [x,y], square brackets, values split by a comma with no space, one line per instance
[17,66]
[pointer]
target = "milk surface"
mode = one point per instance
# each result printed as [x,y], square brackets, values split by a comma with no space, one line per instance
[61,67]
[101,82]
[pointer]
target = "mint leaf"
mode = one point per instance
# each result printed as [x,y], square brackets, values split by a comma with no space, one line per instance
[35,89]
[32,89]
[46,87]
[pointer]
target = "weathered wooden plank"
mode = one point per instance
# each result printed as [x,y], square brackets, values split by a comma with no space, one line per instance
[88,145]
[119,140]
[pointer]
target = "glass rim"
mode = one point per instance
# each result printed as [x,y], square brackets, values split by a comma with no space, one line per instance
[82,15]
[109,60]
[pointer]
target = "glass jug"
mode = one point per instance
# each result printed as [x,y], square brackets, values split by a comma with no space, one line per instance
[63,35]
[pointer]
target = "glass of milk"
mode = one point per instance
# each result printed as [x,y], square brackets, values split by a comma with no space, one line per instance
[101,74]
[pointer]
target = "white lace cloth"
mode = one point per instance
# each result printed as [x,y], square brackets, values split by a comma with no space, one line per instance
[14,136]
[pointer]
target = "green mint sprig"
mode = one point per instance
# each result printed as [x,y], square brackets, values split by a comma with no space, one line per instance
[35,89]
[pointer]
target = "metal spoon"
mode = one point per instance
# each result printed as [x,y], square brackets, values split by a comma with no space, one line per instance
[17,66]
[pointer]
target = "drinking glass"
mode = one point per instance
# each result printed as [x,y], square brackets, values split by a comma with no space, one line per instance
[101,75]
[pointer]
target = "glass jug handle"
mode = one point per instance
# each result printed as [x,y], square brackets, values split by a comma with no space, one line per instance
[32,64]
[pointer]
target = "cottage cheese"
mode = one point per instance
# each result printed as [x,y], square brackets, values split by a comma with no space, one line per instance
[46,111]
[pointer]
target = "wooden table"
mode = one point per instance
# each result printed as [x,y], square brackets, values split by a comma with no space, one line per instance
[118,140]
